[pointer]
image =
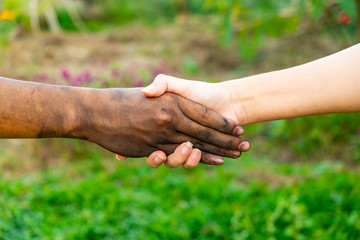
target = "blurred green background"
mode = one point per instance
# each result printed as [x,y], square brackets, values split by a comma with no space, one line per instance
[299,181]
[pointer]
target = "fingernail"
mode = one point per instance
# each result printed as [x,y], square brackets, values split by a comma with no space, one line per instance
[235,154]
[217,161]
[159,159]
[196,154]
[148,88]
[238,131]
[244,146]
[186,148]
[118,157]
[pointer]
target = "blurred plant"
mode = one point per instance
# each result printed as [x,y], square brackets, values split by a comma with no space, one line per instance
[29,14]
[99,199]
[250,22]
[102,73]
[7,29]
[333,135]
[115,12]
[7,15]
[190,66]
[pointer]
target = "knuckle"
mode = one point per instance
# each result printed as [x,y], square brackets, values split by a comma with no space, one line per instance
[164,117]
[205,158]
[198,144]
[207,135]
[226,124]
[229,144]
[222,152]
[159,77]
[204,113]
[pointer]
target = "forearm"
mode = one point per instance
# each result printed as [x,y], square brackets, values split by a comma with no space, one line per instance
[31,110]
[328,85]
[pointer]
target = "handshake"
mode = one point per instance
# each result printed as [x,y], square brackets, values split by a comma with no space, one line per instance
[123,121]
[172,129]
[169,125]
[176,121]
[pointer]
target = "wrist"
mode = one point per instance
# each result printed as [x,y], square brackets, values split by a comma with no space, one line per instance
[96,111]
[241,98]
[83,112]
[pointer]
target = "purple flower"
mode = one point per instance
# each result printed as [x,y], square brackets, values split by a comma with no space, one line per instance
[157,70]
[79,80]
[115,73]
[43,77]
[65,74]
[105,63]
[138,83]
[87,76]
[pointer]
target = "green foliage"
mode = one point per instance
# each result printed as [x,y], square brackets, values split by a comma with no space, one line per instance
[250,22]
[190,67]
[6,28]
[333,134]
[83,201]
[123,11]
[350,8]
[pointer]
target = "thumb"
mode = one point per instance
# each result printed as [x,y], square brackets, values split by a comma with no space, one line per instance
[164,83]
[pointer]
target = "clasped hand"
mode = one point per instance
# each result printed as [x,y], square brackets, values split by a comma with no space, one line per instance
[150,124]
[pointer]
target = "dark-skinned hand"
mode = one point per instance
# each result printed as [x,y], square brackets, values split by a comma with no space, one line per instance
[125,122]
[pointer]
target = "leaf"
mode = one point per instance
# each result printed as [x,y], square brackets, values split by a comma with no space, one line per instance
[318,7]
[226,30]
[349,7]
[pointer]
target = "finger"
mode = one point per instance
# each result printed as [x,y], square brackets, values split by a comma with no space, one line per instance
[206,158]
[193,160]
[164,83]
[206,147]
[245,146]
[209,135]
[209,118]
[156,159]
[119,157]
[211,159]
[179,156]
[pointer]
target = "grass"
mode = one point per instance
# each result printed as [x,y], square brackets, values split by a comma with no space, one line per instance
[249,198]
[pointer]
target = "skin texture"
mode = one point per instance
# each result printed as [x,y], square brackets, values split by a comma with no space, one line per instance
[122,121]
[150,124]
[327,85]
